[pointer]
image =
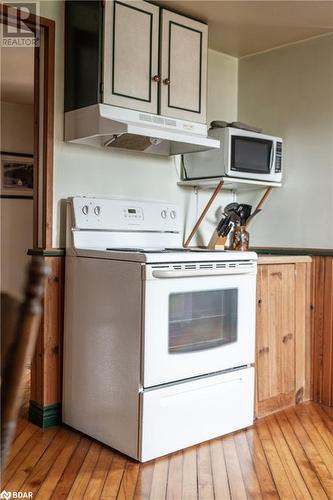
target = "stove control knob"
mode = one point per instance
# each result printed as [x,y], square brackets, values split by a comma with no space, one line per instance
[163,214]
[173,214]
[97,210]
[85,209]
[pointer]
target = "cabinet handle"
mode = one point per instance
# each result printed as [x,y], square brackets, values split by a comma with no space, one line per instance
[156,78]
[166,81]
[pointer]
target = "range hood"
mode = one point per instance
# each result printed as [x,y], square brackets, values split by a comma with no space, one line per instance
[107,127]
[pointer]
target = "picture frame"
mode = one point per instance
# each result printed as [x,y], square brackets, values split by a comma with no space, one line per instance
[16,175]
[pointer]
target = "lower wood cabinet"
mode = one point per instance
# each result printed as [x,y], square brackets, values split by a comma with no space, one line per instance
[283,336]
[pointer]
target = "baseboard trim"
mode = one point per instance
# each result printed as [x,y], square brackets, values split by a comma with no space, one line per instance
[44,416]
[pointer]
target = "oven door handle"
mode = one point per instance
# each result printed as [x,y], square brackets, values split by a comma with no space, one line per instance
[201,272]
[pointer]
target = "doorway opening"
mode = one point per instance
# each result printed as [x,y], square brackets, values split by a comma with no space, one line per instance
[27,102]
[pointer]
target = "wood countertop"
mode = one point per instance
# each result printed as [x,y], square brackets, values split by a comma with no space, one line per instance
[283,259]
[313,252]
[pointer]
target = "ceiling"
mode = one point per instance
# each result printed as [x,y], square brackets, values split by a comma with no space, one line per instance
[240,28]
[17,74]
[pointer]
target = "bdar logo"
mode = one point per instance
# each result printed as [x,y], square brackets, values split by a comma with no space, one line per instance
[5,494]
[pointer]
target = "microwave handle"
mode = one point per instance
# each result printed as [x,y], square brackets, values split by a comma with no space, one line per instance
[201,272]
[273,148]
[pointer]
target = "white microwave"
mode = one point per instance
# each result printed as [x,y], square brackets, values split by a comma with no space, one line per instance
[242,154]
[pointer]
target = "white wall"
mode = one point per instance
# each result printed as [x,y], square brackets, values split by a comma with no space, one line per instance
[16,215]
[82,170]
[289,92]
[16,239]
[17,127]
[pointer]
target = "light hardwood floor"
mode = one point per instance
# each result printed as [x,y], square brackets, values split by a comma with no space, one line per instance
[287,455]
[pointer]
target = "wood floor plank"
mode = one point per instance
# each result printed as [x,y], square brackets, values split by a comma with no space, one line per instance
[237,486]
[219,470]
[205,480]
[246,464]
[84,474]
[264,475]
[26,467]
[321,426]
[160,479]
[21,439]
[129,480]
[313,455]
[68,477]
[279,474]
[175,477]
[40,470]
[98,477]
[21,424]
[295,477]
[288,455]
[308,474]
[315,437]
[50,482]
[20,457]
[324,416]
[328,410]
[114,477]
[143,485]
[190,486]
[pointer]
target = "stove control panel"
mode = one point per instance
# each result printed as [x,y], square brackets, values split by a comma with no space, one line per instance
[112,214]
[133,213]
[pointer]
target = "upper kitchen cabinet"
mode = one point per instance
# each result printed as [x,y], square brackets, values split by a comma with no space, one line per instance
[183,67]
[135,55]
[131,34]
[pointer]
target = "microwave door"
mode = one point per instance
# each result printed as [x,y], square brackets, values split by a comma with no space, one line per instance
[251,155]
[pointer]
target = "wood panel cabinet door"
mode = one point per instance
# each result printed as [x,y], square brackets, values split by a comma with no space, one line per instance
[183,68]
[275,337]
[131,34]
[283,336]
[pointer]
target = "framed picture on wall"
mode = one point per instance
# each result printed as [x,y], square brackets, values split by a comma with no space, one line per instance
[16,175]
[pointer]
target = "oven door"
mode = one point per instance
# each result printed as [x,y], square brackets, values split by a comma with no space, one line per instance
[197,321]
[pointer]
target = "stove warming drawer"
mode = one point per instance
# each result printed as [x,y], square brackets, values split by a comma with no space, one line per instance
[191,412]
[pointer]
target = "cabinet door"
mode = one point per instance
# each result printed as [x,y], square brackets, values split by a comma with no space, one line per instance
[131,55]
[183,68]
[275,338]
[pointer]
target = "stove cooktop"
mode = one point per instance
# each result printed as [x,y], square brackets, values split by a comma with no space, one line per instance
[162,250]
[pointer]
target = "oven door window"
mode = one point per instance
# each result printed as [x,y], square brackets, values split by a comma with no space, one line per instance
[251,155]
[202,320]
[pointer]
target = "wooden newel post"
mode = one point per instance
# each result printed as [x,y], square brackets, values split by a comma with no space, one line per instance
[20,353]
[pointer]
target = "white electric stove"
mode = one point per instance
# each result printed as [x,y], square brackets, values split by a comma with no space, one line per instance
[159,340]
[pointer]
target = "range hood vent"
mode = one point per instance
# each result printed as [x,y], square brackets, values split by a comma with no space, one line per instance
[109,127]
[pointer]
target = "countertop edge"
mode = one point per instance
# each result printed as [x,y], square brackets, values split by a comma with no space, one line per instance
[284,259]
[313,252]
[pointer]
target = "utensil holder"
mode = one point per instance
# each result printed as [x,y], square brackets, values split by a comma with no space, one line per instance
[217,242]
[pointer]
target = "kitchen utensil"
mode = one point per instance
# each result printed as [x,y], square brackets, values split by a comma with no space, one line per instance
[220,224]
[222,227]
[231,207]
[244,212]
[226,231]
[252,216]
